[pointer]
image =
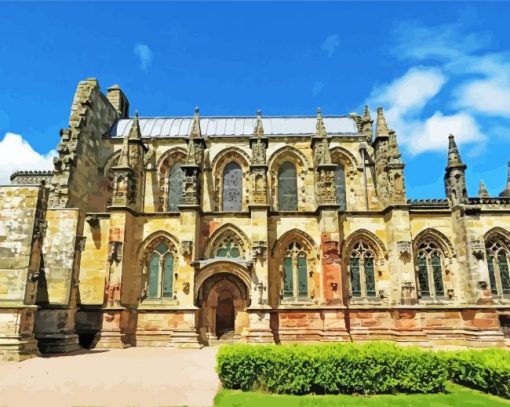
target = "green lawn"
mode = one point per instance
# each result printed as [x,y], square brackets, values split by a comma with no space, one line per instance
[456,396]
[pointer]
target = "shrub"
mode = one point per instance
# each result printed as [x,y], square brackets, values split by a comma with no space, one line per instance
[337,368]
[486,370]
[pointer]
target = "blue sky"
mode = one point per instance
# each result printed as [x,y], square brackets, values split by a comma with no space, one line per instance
[435,67]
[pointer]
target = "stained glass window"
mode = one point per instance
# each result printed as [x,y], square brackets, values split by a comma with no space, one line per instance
[498,255]
[295,272]
[161,272]
[232,187]
[340,187]
[288,277]
[175,179]
[229,245]
[430,269]
[362,270]
[287,187]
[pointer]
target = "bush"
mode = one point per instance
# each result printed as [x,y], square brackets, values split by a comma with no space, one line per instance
[486,370]
[337,368]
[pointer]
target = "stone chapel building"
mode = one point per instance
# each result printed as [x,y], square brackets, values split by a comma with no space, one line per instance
[177,231]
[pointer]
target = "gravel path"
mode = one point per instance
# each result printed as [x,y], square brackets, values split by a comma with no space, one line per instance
[129,377]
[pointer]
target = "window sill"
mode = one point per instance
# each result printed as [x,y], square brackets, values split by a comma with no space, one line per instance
[435,300]
[298,302]
[366,301]
[156,303]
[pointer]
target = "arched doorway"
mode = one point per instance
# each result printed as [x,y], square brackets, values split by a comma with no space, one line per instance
[222,300]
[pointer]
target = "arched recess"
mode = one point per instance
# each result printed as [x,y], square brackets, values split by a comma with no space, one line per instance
[364,255]
[222,237]
[433,254]
[498,232]
[276,160]
[347,170]
[110,162]
[295,256]
[218,164]
[497,249]
[223,267]
[158,256]
[165,164]
[441,239]
[370,237]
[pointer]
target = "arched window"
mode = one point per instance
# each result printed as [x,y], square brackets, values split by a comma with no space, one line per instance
[232,187]
[230,245]
[340,186]
[429,263]
[498,260]
[175,178]
[161,272]
[295,272]
[361,267]
[287,187]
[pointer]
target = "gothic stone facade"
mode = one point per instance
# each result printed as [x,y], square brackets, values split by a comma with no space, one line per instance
[179,231]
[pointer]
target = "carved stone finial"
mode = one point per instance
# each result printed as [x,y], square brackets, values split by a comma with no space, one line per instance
[454,159]
[320,130]
[506,191]
[366,113]
[134,132]
[259,128]
[482,190]
[196,132]
[381,125]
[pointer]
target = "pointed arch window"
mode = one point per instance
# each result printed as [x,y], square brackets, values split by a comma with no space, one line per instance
[295,272]
[498,261]
[232,187]
[361,267]
[430,270]
[287,187]
[340,187]
[175,178]
[161,272]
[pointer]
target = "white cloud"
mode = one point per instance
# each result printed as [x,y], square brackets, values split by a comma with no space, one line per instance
[144,54]
[489,96]
[17,154]
[404,100]
[432,134]
[317,88]
[409,93]
[330,44]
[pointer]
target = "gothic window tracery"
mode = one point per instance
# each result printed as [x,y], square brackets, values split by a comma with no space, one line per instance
[287,187]
[175,179]
[229,245]
[295,272]
[232,187]
[340,187]
[430,270]
[498,261]
[160,267]
[361,266]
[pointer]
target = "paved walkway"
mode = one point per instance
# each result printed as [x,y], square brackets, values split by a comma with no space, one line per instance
[129,377]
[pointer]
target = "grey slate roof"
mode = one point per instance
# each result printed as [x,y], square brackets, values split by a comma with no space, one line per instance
[234,126]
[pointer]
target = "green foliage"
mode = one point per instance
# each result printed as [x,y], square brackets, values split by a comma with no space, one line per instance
[487,370]
[370,368]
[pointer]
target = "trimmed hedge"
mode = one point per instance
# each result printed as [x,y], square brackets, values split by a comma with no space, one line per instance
[348,368]
[486,370]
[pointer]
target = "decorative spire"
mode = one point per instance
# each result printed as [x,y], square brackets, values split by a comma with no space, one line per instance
[454,159]
[195,127]
[393,147]
[326,154]
[381,125]
[259,129]
[320,130]
[366,113]
[506,191]
[134,131]
[192,156]
[482,191]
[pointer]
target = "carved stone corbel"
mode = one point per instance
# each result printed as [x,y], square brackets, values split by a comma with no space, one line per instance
[80,243]
[92,220]
[186,248]
[114,251]
[259,250]
[477,248]
[404,249]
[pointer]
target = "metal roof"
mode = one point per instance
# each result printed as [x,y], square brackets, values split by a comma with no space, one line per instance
[234,126]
